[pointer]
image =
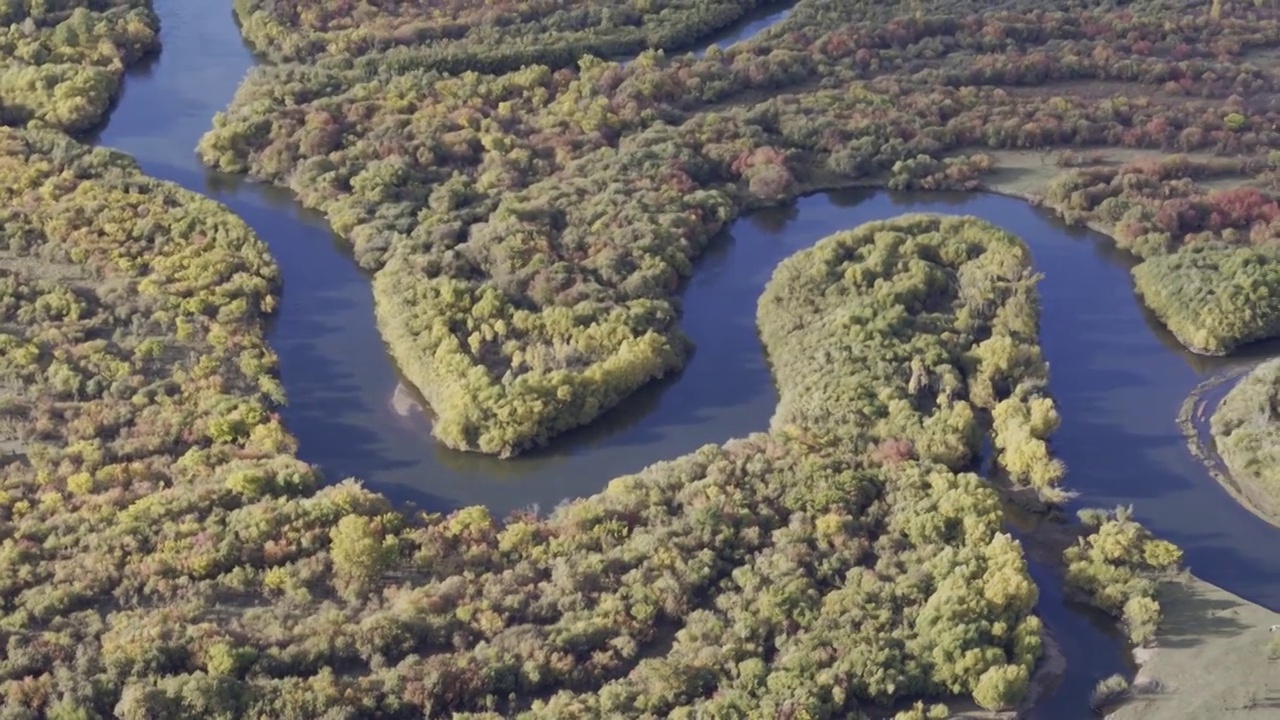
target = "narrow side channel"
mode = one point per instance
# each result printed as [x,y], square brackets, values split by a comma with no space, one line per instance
[344,405]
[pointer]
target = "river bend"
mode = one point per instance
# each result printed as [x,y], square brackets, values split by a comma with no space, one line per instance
[1118,377]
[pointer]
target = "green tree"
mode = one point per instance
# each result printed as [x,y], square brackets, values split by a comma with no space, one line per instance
[1002,687]
[360,552]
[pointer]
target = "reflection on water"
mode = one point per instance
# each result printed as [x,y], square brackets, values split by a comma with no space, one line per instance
[745,28]
[333,363]
[1118,378]
[753,23]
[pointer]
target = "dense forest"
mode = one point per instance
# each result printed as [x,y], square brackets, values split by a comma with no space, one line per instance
[164,555]
[528,230]
[61,61]
[163,552]
[1211,272]
[462,35]
[1246,434]
[135,413]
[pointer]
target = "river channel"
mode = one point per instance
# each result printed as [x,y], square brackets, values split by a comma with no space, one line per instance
[1119,379]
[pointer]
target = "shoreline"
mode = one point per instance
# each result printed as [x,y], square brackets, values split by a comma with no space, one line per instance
[1052,664]
[1210,659]
[1160,665]
[1193,420]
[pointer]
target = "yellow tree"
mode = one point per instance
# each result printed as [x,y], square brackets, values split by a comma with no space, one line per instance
[360,552]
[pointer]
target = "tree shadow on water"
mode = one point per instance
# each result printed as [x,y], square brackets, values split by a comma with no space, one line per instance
[331,409]
[332,360]
[141,70]
[770,220]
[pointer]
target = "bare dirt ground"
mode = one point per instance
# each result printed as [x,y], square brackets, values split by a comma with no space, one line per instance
[1212,660]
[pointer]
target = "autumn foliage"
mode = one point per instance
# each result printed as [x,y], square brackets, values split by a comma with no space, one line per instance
[198,572]
[460,35]
[528,230]
[61,63]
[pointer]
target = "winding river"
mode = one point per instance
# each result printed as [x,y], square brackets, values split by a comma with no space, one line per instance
[1118,377]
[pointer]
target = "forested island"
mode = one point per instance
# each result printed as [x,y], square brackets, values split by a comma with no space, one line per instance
[528,230]
[165,553]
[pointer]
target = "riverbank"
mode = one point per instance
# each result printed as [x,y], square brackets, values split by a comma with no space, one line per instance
[1214,658]
[1244,438]
[1210,654]
[1195,418]
[62,66]
[331,354]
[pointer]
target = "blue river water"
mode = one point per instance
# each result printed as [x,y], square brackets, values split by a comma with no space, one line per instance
[1118,377]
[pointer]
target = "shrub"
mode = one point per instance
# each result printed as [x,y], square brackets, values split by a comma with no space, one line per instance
[1002,687]
[1214,299]
[1108,692]
[1116,565]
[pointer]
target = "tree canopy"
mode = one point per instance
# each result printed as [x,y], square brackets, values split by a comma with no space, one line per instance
[528,230]
[164,554]
[61,62]
[491,36]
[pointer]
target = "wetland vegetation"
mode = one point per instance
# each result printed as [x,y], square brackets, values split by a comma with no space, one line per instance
[164,553]
[1246,435]
[528,230]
